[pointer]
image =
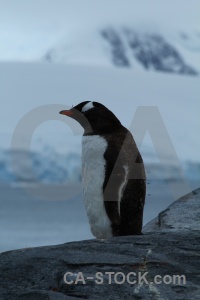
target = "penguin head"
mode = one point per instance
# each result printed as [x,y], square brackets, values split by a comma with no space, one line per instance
[94,117]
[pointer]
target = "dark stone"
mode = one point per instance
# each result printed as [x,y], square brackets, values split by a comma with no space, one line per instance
[154,52]
[181,215]
[118,52]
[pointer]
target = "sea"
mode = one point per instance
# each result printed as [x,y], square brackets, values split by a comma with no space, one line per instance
[29,220]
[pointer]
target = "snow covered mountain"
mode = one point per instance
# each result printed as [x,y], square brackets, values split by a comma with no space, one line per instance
[50,167]
[150,35]
[122,55]
[131,48]
[55,146]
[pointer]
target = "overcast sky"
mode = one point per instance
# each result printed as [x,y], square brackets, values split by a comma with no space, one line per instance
[36,13]
[27,23]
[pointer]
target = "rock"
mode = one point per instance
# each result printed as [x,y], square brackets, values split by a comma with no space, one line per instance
[39,273]
[181,215]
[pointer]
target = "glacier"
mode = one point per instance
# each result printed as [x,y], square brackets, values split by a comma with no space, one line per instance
[127,56]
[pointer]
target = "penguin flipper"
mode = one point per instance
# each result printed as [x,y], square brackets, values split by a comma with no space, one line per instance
[111,189]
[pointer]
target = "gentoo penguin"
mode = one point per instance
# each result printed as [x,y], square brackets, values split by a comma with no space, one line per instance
[113,175]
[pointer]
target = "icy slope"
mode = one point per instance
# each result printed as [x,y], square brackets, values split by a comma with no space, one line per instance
[151,35]
[56,145]
[128,47]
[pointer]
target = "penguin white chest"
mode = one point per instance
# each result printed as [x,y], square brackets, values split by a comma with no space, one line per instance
[93,174]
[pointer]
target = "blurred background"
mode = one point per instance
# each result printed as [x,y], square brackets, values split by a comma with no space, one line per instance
[125,54]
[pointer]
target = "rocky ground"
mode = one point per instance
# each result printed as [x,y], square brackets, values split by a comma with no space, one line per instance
[170,246]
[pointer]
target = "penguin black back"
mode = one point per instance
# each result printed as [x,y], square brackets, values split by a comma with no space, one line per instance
[120,189]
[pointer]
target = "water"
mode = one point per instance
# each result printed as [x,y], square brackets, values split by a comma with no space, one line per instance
[26,221]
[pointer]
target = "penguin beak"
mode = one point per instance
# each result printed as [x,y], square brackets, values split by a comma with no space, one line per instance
[68,113]
[78,116]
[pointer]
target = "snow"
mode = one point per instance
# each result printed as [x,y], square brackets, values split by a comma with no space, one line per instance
[70,31]
[40,149]
[33,94]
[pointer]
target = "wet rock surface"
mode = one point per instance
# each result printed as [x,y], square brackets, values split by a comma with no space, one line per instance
[181,215]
